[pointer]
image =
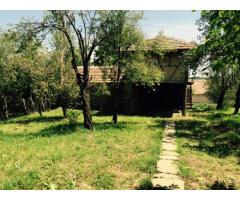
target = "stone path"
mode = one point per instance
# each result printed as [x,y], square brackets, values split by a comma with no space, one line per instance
[167,176]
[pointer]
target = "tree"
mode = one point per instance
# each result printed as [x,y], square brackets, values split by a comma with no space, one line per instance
[63,83]
[219,51]
[121,54]
[34,60]
[90,29]
[100,91]
[237,103]
[7,76]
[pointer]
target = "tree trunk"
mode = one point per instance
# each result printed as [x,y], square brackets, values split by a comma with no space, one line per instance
[39,108]
[85,89]
[33,106]
[24,106]
[84,85]
[87,109]
[184,101]
[237,104]
[4,108]
[221,99]
[115,108]
[101,104]
[43,106]
[64,109]
[222,94]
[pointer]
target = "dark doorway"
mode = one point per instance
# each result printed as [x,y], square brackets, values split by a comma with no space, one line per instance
[159,99]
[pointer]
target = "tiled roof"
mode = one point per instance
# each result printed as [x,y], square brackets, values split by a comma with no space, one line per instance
[164,42]
[169,43]
[97,75]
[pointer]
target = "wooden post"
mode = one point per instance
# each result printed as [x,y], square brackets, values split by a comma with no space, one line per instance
[3,108]
[184,100]
[191,96]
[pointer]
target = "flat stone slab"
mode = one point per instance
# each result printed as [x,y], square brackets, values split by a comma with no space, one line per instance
[169,146]
[169,140]
[168,176]
[169,153]
[169,131]
[169,157]
[167,166]
[170,184]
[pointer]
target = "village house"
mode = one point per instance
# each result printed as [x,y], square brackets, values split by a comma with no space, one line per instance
[173,93]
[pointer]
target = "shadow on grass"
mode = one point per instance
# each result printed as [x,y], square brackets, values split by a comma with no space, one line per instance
[65,129]
[111,125]
[39,119]
[56,130]
[159,124]
[216,136]
[61,129]
[162,114]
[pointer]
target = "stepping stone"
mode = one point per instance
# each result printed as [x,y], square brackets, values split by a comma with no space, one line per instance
[168,157]
[168,135]
[169,131]
[169,153]
[170,124]
[168,138]
[169,142]
[169,146]
[167,176]
[167,166]
[170,184]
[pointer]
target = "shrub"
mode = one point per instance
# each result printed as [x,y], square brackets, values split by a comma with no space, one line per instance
[72,117]
[145,184]
[203,107]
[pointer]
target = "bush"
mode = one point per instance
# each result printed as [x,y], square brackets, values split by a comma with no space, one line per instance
[145,184]
[72,117]
[204,107]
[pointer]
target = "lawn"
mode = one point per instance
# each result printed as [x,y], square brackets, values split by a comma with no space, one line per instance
[50,153]
[209,145]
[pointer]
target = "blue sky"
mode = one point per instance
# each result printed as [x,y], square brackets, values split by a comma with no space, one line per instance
[179,24]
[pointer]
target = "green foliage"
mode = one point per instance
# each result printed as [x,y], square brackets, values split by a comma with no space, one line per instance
[203,107]
[103,182]
[63,85]
[72,117]
[218,54]
[184,170]
[145,184]
[25,182]
[122,52]
[23,70]
[101,89]
[147,165]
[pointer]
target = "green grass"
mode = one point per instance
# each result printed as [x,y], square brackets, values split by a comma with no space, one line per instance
[209,145]
[50,153]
